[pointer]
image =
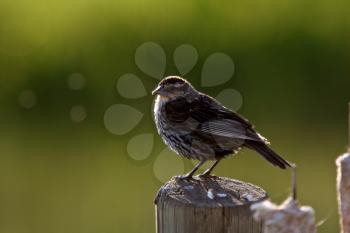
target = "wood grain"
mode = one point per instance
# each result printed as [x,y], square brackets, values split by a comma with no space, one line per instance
[343,187]
[207,205]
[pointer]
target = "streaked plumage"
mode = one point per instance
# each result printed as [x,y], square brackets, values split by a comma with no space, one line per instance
[198,127]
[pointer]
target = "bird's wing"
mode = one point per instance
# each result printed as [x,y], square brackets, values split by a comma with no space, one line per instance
[214,119]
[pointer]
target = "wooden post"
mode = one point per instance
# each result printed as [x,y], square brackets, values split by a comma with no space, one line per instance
[207,205]
[288,217]
[343,187]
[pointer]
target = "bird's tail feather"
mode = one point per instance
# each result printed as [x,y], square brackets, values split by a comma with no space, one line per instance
[268,154]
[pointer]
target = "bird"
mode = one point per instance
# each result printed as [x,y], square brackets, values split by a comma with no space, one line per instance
[198,127]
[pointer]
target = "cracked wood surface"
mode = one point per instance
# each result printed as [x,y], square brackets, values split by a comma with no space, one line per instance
[207,205]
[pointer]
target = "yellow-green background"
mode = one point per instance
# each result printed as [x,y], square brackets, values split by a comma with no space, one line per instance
[292,68]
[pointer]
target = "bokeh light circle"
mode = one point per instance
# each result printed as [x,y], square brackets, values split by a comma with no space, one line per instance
[130,86]
[76,81]
[151,59]
[120,119]
[217,69]
[185,58]
[140,146]
[230,98]
[167,165]
[78,113]
[27,99]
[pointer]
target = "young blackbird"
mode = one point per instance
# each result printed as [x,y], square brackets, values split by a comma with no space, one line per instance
[198,127]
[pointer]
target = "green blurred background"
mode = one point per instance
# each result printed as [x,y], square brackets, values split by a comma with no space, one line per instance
[292,69]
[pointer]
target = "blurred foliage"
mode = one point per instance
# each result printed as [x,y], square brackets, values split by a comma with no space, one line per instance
[292,68]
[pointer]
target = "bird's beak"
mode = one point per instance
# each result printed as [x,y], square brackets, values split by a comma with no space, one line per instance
[157,91]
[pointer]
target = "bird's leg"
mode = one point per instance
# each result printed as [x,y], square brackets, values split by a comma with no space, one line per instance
[190,174]
[207,172]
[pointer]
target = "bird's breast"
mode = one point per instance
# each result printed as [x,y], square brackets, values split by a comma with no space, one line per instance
[158,113]
[168,122]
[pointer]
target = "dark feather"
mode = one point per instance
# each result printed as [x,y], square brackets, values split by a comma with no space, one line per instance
[218,126]
[268,154]
[178,110]
[213,119]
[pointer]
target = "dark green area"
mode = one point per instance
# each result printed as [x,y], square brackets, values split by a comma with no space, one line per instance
[292,69]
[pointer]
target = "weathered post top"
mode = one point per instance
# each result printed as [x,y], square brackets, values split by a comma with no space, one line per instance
[207,205]
[210,192]
[343,187]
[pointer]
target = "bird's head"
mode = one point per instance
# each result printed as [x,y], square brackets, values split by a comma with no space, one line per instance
[173,87]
